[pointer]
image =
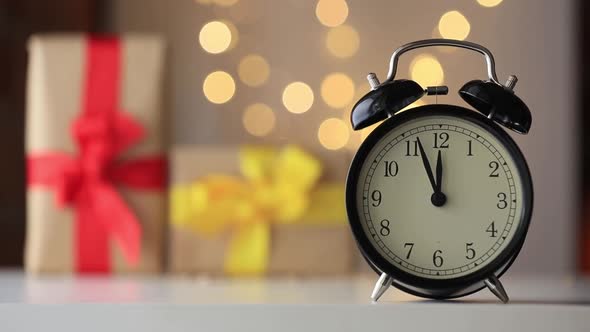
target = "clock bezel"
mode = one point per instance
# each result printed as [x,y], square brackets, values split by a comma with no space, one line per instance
[429,287]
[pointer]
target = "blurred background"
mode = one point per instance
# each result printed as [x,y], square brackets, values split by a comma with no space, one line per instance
[277,72]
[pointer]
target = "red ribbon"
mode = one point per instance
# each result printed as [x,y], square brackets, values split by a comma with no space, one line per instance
[87,182]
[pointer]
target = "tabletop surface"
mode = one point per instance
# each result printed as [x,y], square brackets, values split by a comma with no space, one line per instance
[328,304]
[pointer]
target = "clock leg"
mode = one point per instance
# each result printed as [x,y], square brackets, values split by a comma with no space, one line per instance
[381,286]
[495,286]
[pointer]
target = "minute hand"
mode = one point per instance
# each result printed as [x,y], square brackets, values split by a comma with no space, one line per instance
[439,171]
[426,165]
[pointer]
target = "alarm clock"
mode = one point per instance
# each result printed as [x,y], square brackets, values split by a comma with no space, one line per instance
[439,197]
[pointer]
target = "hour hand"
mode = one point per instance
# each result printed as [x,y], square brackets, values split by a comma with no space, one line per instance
[426,165]
[437,198]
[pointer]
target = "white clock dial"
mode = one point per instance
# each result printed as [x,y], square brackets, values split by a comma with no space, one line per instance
[479,179]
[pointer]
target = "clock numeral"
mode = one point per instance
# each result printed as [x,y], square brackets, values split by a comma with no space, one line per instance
[469,152]
[376,197]
[494,165]
[437,259]
[412,148]
[443,139]
[492,229]
[470,252]
[391,168]
[411,246]
[502,203]
[384,227]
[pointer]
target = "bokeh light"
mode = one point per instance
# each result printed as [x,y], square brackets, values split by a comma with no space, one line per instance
[489,3]
[343,41]
[333,134]
[453,25]
[337,90]
[225,3]
[258,119]
[297,97]
[426,70]
[253,70]
[215,37]
[203,2]
[219,87]
[331,13]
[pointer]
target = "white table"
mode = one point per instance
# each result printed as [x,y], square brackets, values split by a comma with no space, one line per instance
[189,304]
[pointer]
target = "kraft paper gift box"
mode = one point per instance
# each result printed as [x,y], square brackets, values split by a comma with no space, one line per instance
[321,245]
[95,164]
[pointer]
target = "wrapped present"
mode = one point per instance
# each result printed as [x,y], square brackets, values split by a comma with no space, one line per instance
[95,167]
[249,211]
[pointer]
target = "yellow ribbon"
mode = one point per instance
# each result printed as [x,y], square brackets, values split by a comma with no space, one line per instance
[277,186]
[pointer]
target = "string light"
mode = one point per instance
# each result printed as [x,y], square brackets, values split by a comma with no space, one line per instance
[215,37]
[333,134]
[454,25]
[219,87]
[298,97]
[489,3]
[337,90]
[258,119]
[331,13]
[426,70]
[253,70]
[342,41]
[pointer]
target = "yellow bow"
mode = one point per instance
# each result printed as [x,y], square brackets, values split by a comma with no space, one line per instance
[276,187]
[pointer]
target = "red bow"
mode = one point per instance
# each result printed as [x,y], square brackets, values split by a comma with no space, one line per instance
[87,181]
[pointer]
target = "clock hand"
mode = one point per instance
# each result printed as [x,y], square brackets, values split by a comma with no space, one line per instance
[426,165]
[439,170]
[438,198]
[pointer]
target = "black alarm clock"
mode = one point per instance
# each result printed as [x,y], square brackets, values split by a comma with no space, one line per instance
[439,197]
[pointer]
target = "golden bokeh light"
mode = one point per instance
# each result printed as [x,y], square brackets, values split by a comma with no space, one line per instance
[454,25]
[204,2]
[331,13]
[225,3]
[333,134]
[297,97]
[258,119]
[426,70]
[342,41]
[219,87]
[337,90]
[489,3]
[253,70]
[215,37]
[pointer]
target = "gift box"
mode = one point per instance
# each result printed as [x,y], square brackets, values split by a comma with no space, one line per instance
[96,172]
[251,211]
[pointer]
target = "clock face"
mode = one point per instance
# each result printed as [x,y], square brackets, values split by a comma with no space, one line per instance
[440,196]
